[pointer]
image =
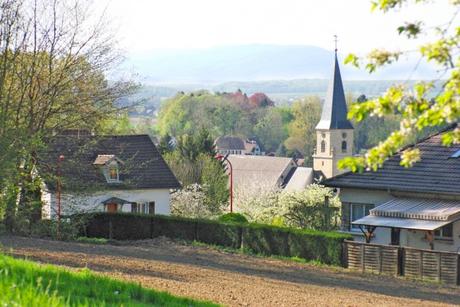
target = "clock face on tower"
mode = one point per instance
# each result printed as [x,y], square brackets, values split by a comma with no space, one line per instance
[323,135]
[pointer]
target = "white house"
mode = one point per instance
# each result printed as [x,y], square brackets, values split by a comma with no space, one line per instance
[104,173]
[416,207]
[237,146]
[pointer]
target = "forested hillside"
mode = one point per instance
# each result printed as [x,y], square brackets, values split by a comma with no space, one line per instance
[284,130]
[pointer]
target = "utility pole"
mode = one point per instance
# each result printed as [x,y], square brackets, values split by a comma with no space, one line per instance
[225,158]
[58,194]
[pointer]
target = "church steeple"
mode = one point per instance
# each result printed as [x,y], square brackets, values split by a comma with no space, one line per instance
[334,115]
[334,132]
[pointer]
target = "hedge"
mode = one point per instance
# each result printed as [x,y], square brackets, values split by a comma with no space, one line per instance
[325,247]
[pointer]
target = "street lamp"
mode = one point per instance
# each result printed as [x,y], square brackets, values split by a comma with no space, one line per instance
[58,193]
[225,158]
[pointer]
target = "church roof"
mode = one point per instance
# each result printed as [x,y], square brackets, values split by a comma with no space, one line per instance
[334,115]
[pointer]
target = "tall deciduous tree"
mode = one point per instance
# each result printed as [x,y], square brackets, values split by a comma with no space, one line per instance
[414,105]
[54,56]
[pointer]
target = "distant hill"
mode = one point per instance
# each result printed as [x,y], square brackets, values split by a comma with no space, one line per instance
[254,63]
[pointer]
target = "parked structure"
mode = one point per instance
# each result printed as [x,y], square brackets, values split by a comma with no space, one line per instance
[237,146]
[416,207]
[105,173]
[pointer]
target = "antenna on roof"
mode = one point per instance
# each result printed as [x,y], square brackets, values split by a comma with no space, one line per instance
[335,41]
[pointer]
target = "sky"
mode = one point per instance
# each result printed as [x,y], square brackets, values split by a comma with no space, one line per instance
[144,25]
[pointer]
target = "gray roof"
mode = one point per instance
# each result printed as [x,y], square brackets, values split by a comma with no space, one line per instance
[419,208]
[300,179]
[229,143]
[394,222]
[436,172]
[259,170]
[143,166]
[412,213]
[334,114]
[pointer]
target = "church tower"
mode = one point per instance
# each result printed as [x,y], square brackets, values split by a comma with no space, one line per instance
[334,132]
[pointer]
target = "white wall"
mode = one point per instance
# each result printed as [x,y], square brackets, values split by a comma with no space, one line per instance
[382,235]
[93,202]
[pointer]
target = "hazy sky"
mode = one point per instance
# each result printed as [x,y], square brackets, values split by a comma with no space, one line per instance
[151,24]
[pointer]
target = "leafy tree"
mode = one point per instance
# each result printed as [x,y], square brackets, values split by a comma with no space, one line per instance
[53,60]
[302,136]
[270,130]
[316,207]
[413,104]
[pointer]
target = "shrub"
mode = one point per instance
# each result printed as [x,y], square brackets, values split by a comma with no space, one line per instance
[174,227]
[325,247]
[128,226]
[216,233]
[266,239]
[233,218]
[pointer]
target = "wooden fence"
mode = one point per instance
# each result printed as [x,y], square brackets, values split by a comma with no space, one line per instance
[411,262]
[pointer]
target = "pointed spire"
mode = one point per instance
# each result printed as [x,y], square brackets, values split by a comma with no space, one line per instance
[334,115]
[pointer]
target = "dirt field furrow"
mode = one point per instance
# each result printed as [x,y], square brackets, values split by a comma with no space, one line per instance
[232,279]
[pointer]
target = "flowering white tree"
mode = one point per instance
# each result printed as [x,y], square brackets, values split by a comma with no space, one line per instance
[192,202]
[316,207]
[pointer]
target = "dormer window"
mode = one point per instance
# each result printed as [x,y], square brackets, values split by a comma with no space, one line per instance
[113,172]
[110,167]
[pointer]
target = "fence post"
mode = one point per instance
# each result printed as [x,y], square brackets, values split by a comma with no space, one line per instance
[344,254]
[421,264]
[458,269]
[363,257]
[401,261]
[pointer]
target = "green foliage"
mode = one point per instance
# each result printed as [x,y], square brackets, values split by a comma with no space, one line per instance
[25,283]
[302,136]
[202,176]
[316,207]
[414,107]
[237,218]
[325,247]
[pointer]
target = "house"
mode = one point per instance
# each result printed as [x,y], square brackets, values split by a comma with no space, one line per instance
[416,207]
[124,173]
[264,173]
[237,146]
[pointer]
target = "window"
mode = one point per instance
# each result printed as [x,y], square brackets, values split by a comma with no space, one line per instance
[344,146]
[344,135]
[444,232]
[113,173]
[323,146]
[358,211]
[144,208]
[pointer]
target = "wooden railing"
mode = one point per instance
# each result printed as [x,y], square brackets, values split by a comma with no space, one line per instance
[411,262]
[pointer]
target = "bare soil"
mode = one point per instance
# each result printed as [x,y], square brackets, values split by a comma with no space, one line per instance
[232,279]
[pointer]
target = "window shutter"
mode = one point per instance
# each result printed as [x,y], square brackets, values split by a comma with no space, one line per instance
[152,207]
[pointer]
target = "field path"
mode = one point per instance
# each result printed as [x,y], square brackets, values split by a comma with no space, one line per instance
[231,279]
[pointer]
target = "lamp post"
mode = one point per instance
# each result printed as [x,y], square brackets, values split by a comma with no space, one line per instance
[225,158]
[58,194]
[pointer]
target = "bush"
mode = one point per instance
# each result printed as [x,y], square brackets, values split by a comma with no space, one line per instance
[174,227]
[233,218]
[127,226]
[49,229]
[266,239]
[325,247]
[216,233]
